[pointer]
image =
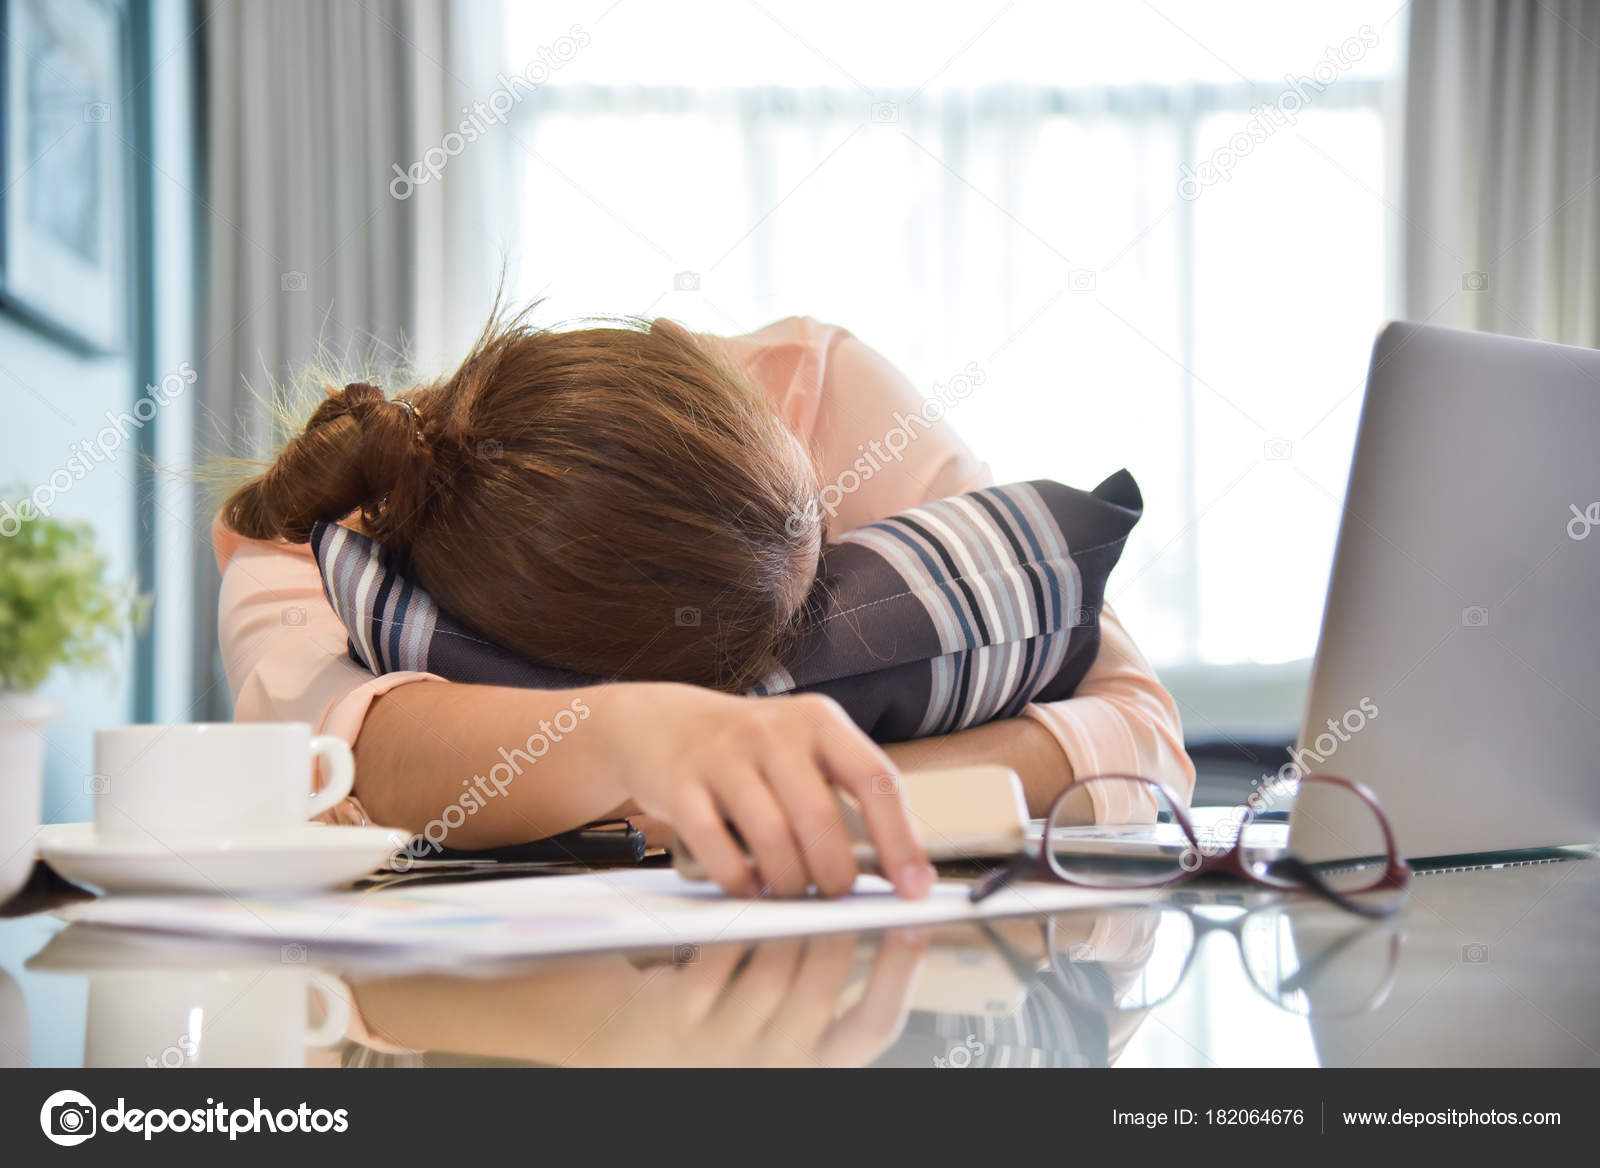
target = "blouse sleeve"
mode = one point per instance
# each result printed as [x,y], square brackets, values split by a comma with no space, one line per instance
[283,646]
[1121,718]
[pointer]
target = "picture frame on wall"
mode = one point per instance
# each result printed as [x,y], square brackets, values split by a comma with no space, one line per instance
[63,134]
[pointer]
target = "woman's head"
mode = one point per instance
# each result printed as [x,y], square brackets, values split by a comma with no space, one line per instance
[618,501]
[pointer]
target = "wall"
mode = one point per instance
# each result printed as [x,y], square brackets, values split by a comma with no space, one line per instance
[50,400]
[141,501]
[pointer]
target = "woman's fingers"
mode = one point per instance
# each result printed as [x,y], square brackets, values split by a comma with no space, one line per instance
[819,989]
[348,812]
[701,977]
[818,823]
[770,766]
[698,822]
[854,763]
[764,982]
[866,1028]
[765,829]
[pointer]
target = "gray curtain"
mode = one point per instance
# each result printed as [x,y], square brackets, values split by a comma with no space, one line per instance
[1502,167]
[308,106]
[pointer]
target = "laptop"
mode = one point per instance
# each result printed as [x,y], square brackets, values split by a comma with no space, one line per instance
[1463,614]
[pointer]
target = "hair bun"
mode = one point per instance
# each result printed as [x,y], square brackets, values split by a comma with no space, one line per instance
[358,400]
[359,451]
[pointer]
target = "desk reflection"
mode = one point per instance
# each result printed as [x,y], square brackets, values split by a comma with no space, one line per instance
[1088,979]
[829,1001]
[1064,990]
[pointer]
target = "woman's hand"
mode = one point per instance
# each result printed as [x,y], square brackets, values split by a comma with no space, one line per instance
[783,1002]
[699,760]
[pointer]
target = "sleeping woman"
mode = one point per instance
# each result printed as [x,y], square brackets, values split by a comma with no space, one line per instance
[572,495]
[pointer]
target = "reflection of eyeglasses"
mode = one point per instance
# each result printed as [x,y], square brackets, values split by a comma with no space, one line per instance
[1346,813]
[1305,963]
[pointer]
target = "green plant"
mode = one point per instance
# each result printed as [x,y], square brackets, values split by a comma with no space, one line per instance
[56,605]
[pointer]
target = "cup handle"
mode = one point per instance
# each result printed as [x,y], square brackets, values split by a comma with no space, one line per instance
[341,773]
[335,999]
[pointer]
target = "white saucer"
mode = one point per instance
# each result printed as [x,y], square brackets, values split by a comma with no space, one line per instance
[299,859]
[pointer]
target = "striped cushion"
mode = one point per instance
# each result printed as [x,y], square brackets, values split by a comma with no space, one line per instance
[942,617]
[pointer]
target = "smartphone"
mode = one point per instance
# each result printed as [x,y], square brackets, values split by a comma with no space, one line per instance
[965,813]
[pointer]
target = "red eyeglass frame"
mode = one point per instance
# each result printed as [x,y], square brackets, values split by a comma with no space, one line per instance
[1299,875]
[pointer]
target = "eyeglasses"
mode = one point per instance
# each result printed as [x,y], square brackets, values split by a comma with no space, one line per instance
[1344,813]
[1302,961]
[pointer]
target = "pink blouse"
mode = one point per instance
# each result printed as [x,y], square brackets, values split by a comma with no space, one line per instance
[283,647]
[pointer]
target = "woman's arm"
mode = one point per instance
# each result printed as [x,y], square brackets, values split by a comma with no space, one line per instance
[422,747]
[481,766]
[1022,744]
[283,648]
[1121,720]
[484,766]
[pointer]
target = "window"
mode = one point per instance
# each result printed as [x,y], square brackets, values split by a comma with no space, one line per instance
[1161,230]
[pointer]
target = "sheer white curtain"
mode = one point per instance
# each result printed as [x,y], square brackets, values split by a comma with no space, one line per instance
[1023,187]
[1503,167]
[312,247]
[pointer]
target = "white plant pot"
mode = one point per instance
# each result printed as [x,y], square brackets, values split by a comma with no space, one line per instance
[23,718]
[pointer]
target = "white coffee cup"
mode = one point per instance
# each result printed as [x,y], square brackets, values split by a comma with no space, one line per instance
[213,780]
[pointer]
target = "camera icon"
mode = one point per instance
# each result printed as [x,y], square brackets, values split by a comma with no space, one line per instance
[1084,615]
[294,954]
[686,282]
[97,111]
[292,282]
[1082,280]
[1476,953]
[1475,617]
[885,784]
[685,954]
[1277,450]
[686,618]
[884,111]
[72,1119]
[490,448]
[293,617]
[68,1118]
[97,785]
[1475,281]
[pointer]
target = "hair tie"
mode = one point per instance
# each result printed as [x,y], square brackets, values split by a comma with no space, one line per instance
[416,418]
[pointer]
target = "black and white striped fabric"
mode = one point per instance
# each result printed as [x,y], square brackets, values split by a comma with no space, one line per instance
[945,616]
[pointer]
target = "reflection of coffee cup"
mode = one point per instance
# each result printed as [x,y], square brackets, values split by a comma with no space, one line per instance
[243,1017]
[212,780]
[13,1023]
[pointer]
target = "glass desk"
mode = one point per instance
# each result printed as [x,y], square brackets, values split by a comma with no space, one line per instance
[1483,967]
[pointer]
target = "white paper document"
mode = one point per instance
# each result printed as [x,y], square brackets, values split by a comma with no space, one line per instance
[530,916]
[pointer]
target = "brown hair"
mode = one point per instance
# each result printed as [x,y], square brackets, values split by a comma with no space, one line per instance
[620,501]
